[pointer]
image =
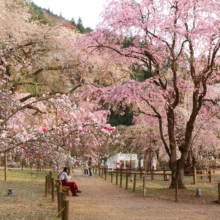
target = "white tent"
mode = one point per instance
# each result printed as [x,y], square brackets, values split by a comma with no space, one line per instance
[125,160]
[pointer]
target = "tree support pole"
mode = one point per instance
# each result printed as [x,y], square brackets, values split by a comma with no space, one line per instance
[5,166]
[145,174]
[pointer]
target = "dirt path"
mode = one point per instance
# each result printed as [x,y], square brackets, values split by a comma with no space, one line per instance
[102,200]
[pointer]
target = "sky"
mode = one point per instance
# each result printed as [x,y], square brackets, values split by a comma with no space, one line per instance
[88,10]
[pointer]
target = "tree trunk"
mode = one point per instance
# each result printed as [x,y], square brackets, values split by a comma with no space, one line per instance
[177,173]
[176,166]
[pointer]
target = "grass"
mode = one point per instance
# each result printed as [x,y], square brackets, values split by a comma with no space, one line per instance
[27,200]
[159,189]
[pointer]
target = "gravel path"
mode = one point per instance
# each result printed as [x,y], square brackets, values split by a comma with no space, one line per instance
[102,200]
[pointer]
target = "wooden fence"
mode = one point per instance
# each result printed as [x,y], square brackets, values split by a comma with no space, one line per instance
[150,172]
[62,203]
[102,172]
[194,172]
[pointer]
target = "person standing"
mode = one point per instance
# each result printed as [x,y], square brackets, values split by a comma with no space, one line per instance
[86,167]
[90,166]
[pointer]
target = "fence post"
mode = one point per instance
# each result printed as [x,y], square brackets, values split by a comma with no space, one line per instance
[210,177]
[219,193]
[194,175]
[46,186]
[105,174]
[144,186]
[59,189]
[52,191]
[152,173]
[134,186]
[116,177]
[112,176]
[121,178]
[62,198]
[126,180]
[49,182]
[164,174]
[99,171]
[65,215]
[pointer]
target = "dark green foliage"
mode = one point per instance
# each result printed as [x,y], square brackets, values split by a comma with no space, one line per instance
[38,14]
[88,30]
[81,28]
[127,42]
[117,119]
[139,74]
[73,22]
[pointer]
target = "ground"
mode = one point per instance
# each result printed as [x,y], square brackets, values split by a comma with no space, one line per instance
[102,200]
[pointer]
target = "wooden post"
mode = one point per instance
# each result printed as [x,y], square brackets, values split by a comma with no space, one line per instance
[62,198]
[49,181]
[176,191]
[219,193]
[46,186]
[144,186]
[134,185]
[152,173]
[140,173]
[66,210]
[116,177]
[194,176]
[145,174]
[52,191]
[59,189]
[6,166]
[102,171]
[121,178]
[126,181]
[105,174]
[164,174]
[210,177]
[112,176]
[99,171]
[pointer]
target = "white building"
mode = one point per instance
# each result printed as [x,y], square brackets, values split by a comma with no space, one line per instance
[125,160]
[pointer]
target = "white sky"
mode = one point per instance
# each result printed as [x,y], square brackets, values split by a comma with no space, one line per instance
[88,10]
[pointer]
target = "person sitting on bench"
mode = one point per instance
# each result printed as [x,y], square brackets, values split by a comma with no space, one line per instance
[66,182]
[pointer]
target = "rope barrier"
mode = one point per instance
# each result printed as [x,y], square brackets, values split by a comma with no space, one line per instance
[58,213]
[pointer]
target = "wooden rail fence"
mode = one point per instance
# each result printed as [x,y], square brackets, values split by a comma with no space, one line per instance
[62,203]
[195,173]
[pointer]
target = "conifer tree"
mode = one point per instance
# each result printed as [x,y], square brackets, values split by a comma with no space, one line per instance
[80,26]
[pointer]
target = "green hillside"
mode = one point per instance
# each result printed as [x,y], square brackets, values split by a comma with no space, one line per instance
[45,16]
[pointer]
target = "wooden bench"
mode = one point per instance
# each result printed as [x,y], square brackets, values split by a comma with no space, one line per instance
[66,189]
